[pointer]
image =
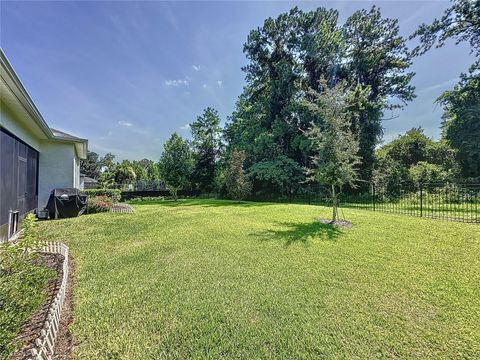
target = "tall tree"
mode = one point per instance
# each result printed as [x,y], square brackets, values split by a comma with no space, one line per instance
[461,124]
[124,172]
[108,162]
[206,133]
[377,59]
[176,164]
[91,166]
[237,184]
[336,159]
[289,55]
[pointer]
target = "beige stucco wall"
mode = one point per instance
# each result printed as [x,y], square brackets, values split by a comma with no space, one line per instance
[59,168]
[9,122]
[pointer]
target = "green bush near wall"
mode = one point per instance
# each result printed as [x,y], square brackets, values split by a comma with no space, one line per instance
[113,194]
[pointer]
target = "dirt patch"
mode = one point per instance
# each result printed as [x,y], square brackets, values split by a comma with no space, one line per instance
[64,344]
[338,223]
[32,328]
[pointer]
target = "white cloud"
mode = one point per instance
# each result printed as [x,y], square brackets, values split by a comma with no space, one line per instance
[204,86]
[178,82]
[196,67]
[125,123]
[219,82]
[185,127]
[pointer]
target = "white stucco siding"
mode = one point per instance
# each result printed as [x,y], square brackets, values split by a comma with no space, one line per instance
[9,121]
[59,168]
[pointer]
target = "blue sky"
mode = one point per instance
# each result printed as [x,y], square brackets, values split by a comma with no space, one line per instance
[126,75]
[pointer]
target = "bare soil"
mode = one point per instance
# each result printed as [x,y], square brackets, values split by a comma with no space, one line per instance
[32,328]
[339,223]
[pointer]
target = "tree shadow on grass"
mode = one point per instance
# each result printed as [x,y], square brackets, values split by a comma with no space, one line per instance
[201,203]
[302,233]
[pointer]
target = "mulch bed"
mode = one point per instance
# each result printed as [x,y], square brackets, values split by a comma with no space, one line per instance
[339,223]
[31,330]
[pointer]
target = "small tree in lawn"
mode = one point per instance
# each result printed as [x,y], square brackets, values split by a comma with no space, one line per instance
[176,164]
[336,148]
[238,186]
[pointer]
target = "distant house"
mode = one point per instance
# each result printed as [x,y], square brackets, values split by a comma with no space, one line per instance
[34,158]
[87,182]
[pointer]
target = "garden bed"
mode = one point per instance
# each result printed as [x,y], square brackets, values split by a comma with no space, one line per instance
[32,328]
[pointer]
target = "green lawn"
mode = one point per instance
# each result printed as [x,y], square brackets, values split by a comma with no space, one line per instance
[215,279]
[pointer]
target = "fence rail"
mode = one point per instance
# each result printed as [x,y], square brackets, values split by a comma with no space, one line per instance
[446,201]
[45,344]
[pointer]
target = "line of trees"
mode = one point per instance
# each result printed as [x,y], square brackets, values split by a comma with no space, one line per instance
[312,108]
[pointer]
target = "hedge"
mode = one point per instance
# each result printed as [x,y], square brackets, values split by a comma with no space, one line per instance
[113,194]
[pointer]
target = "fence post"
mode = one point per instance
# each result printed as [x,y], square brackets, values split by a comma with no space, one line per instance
[421,199]
[373,195]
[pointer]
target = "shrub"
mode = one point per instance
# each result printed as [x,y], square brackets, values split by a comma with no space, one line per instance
[424,172]
[98,204]
[21,284]
[113,194]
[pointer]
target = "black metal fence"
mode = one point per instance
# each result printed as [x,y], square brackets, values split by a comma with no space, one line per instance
[447,201]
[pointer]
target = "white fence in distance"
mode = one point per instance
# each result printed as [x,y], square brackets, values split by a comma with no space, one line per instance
[44,346]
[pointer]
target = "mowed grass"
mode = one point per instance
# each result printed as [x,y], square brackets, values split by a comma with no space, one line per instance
[209,279]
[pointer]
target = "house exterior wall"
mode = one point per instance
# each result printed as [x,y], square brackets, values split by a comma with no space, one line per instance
[59,168]
[9,121]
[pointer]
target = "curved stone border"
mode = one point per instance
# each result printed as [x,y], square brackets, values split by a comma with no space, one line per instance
[122,208]
[45,344]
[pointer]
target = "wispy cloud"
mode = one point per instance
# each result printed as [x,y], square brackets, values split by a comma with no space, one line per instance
[204,86]
[196,67]
[219,82]
[125,123]
[443,85]
[179,82]
[185,127]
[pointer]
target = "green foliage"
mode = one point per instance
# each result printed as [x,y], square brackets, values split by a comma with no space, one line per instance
[108,162]
[206,133]
[461,22]
[461,124]
[281,175]
[413,157]
[124,172]
[91,166]
[290,54]
[176,164]
[237,185]
[98,204]
[113,194]
[106,179]
[391,175]
[424,172]
[336,148]
[408,149]
[22,282]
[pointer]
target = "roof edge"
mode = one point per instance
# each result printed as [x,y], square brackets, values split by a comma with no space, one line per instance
[23,96]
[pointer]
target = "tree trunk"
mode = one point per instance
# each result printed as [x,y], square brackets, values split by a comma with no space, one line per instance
[174,194]
[334,207]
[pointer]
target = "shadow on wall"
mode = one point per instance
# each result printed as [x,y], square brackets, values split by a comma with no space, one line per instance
[301,233]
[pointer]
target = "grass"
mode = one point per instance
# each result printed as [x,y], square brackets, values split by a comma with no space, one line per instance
[217,279]
[22,285]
